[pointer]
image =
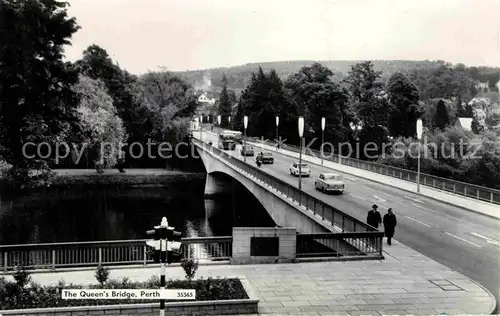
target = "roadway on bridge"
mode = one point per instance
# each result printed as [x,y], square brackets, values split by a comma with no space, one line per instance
[464,241]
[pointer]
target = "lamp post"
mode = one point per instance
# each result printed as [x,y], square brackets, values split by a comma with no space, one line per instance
[245,124]
[218,121]
[323,123]
[229,121]
[277,134]
[355,129]
[419,136]
[201,122]
[301,133]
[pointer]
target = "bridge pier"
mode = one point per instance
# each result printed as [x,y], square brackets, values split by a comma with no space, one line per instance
[215,186]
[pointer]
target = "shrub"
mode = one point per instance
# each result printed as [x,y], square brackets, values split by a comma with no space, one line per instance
[190,267]
[22,277]
[14,297]
[101,274]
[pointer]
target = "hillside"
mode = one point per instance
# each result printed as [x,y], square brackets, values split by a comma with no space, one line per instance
[239,76]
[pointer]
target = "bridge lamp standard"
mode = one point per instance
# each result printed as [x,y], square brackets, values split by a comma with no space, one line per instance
[323,124]
[245,124]
[301,133]
[419,137]
[277,135]
[201,122]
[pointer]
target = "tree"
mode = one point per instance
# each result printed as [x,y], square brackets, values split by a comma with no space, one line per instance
[170,102]
[468,111]
[367,98]
[261,101]
[404,97]
[476,127]
[96,64]
[441,118]
[318,96]
[225,105]
[36,100]
[370,103]
[104,128]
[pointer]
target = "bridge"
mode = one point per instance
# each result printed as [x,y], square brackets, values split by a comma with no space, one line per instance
[449,228]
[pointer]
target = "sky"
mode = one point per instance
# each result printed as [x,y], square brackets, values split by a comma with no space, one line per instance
[143,35]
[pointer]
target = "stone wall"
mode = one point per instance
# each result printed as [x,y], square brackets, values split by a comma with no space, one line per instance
[242,247]
[243,307]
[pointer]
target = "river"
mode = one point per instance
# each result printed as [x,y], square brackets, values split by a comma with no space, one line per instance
[71,214]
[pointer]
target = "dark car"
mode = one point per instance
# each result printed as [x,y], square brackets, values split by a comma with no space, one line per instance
[247,151]
[265,157]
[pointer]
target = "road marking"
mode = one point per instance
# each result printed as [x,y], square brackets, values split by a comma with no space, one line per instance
[461,239]
[489,240]
[413,199]
[379,198]
[358,197]
[419,206]
[417,221]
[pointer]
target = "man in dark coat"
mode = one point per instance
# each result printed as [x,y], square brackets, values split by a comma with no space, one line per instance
[389,225]
[374,218]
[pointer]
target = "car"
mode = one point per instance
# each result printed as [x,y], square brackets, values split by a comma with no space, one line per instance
[329,182]
[247,150]
[265,157]
[304,170]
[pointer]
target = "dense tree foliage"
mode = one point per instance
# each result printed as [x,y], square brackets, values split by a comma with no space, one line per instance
[94,101]
[37,103]
[404,97]
[104,130]
[441,118]
[318,96]
[225,104]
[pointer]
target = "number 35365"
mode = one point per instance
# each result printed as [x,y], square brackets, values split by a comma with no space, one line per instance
[185,294]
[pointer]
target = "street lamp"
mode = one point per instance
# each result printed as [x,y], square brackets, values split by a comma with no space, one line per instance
[277,125]
[419,137]
[218,121]
[245,124]
[301,133]
[323,123]
[201,122]
[229,121]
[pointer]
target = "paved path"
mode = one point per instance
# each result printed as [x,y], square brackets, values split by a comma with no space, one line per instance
[401,285]
[453,199]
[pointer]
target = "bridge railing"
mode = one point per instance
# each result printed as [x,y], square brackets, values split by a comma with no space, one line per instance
[341,220]
[339,245]
[119,252]
[453,186]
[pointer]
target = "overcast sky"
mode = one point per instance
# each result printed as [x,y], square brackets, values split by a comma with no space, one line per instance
[143,35]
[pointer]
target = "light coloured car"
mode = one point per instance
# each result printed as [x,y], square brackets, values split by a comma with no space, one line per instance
[305,171]
[329,182]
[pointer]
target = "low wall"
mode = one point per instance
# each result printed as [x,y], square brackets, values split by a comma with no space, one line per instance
[197,308]
[242,245]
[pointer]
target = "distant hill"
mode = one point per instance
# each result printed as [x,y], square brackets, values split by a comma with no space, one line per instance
[239,76]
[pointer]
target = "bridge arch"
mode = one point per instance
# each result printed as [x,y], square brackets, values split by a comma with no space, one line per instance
[282,210]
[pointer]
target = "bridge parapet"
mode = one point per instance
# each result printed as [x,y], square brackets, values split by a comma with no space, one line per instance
[341,221]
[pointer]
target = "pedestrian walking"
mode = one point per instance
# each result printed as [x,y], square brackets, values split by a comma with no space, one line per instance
[374,218]
[389,225]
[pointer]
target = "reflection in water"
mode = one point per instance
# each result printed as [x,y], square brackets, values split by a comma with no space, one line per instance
[66,215]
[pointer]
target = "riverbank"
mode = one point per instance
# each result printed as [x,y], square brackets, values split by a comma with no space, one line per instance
[84,178]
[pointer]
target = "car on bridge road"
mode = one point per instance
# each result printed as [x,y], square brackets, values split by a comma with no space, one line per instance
[329,182]
[304,170]
[247,150]
[265,157]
